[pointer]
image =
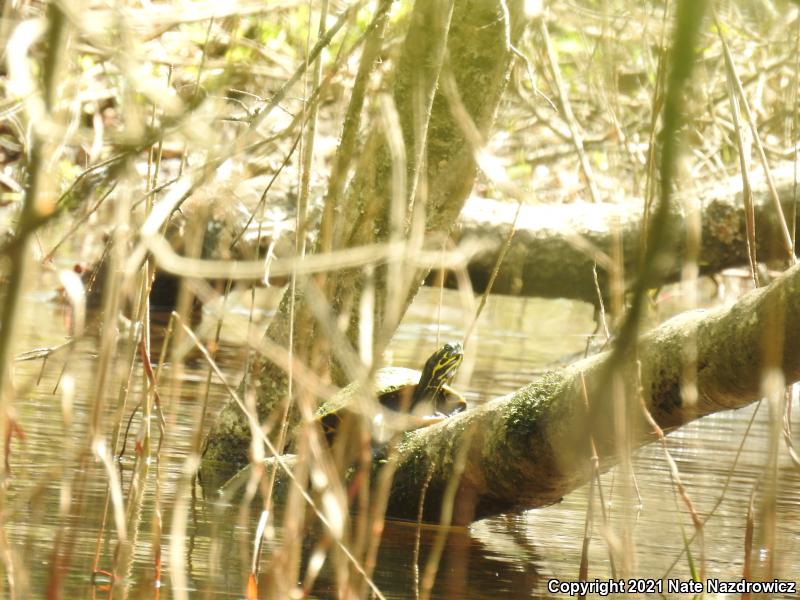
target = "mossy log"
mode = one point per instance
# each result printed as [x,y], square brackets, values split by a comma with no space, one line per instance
[529,448]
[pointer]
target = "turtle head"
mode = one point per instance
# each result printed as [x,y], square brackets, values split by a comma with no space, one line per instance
[439,370]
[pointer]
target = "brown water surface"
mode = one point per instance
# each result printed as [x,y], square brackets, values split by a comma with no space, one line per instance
[56,497]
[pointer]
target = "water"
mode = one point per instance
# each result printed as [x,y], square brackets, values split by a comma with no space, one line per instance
[55,502]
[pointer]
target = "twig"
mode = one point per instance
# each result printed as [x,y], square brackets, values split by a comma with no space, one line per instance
[784,228]
[569,116]
[277,456]
[689,17]
[495,270]
[697,522]
[595,481]
[78,222]
[323,43]
[744,164]
[725,485]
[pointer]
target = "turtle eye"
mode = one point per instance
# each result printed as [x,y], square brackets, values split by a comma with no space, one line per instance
[454,348]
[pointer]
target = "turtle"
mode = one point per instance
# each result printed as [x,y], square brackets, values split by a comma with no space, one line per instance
[409,399]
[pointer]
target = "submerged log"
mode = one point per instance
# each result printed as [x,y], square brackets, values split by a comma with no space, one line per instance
[531,447]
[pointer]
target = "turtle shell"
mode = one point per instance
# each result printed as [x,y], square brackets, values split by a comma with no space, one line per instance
[394,388]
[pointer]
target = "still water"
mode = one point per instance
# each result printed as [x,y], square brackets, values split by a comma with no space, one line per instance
[59,527]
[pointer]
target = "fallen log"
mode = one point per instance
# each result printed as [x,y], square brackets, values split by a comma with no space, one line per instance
[529,448]
[551,252]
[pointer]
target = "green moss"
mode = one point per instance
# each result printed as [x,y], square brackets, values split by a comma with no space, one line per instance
[408,483]
[523,418]
[517,447]
[226,450]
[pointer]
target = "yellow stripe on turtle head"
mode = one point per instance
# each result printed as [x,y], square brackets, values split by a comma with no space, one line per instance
[439,369]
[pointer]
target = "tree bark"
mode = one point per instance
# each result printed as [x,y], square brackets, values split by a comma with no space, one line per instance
[529,448]
[548,255]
